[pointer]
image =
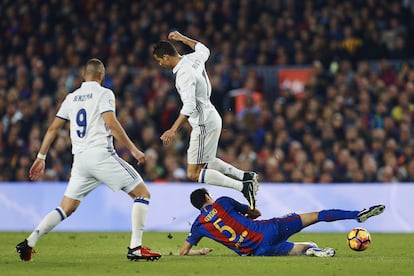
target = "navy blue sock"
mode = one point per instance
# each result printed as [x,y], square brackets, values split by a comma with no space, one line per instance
[336,214]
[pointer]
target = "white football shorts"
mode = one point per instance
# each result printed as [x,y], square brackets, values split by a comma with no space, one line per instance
[97,165]
[203,146]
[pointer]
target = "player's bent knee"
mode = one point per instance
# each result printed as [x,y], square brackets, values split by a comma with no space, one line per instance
[193,176]
[194,170]
[69,211]
[69,205]
[141,190]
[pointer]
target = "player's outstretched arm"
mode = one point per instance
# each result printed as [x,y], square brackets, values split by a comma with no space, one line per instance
[186,250]
[177,36]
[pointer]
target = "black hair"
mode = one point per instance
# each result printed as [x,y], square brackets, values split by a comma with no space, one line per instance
[164,48]
[198,197]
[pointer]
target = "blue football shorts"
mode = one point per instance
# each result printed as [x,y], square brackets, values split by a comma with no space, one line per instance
[277,231]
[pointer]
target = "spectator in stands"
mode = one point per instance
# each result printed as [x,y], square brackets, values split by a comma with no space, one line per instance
[42,48]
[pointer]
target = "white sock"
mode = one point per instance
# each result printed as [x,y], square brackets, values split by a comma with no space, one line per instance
[216,178]
[223,167]
[46,225]
[138,217]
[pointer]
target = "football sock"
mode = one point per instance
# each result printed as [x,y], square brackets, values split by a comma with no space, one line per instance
[46,225]
[216,178]
[336,214]
[312,245]
[225,168]
[138,218]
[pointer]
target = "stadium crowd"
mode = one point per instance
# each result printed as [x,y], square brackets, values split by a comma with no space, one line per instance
[353,123]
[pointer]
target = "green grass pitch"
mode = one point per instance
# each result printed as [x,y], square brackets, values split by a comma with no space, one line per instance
[102,253]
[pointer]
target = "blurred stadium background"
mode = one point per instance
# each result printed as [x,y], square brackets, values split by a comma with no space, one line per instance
[328,86]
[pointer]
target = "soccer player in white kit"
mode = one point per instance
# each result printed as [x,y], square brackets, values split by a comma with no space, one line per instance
[194,88]
[91,112]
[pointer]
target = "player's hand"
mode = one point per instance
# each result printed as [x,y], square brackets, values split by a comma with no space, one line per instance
[175,35]
[205,251]
[253,214]
[37,169]
[167,136]
[139,156]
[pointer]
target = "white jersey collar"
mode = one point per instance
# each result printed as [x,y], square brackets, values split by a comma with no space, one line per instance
[178,65]
[90,83]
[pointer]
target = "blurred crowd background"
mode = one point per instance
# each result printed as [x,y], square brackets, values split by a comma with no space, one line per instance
[352,123]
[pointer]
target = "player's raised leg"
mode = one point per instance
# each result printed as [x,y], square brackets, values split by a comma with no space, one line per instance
[204,167]
[370,212]
[213,177]
[338,214]
[311,249]
[228,169]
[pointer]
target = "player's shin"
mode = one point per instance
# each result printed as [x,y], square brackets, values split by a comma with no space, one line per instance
[216,178]
[225,168]
[138,218]
[46,225]
[336,214]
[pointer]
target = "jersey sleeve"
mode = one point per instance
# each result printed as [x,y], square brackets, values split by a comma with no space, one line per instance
[107,101]
[195,235]
[229,202]
[63,112]
[186,85]
[202,51]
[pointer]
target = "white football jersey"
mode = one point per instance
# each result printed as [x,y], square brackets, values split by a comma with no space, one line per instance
[83,108]
[194,88]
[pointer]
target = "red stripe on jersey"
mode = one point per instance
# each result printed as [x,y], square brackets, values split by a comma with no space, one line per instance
[218,236]
[286,219]
[239,228]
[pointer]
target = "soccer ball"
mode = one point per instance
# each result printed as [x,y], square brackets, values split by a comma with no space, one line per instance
[359,239]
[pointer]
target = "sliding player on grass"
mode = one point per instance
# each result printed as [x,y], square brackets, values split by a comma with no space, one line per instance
[233,224]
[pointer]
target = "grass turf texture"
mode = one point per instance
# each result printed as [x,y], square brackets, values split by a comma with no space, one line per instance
[104,253]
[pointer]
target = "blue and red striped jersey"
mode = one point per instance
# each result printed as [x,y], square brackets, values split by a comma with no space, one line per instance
[225,222]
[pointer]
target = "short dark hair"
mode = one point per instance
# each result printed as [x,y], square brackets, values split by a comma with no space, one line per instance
[164,48]
[94,66]
[198,197]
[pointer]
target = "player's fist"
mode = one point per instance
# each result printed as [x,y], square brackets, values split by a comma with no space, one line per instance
[175,35]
